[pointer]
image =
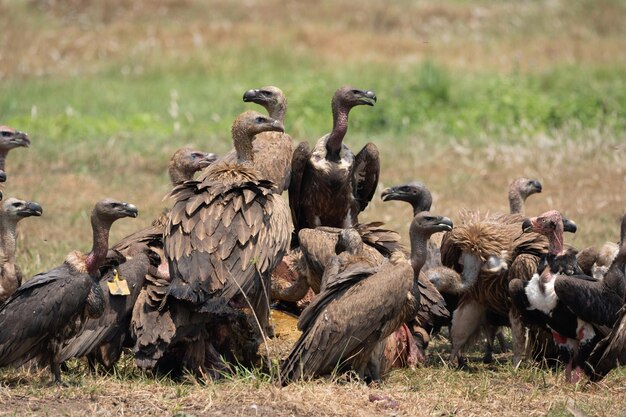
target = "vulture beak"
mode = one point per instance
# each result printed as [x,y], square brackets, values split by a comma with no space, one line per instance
[537,186]
[208,159]
[367,98]
[3,176]
[31,209]
[445,223]
[278,126]
[569,225]
[250,95]
[21,139]
[390,193]
[130,210]
[1,195]
[527,226]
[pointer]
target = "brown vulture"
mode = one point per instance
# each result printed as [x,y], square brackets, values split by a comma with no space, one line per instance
[359,306]
[330,185]
[53,306]
[272,150]
[11,139]
[13,210]
[226,232]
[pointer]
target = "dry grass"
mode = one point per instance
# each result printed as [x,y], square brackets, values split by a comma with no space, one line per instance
[585,176]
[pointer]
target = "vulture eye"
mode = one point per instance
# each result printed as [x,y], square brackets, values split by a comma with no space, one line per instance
[196,155]
[6,134]
[356,91]
[17,204]
[260,119]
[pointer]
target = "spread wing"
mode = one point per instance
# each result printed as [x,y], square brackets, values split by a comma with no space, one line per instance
[365,173]
[299,162]
[222,237]
[38,310]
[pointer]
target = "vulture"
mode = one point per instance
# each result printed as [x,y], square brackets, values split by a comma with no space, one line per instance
[272,150]
[548,297]
[611,351]
[519,190]
[359,306]
[13,210]
[102,339]
[330,185]
[226,232]
[52,306]
[10,139]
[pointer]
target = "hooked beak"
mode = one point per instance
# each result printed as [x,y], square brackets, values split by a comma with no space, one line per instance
[250,95]
[3,176]
[569,225]
[32,209]
[130,210]
[537,186]
[368,98]
[21,139]
[390,193]
[208,159]
[445,223]
[527,226]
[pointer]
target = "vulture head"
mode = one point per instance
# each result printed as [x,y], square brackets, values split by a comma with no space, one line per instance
[11,138]
[427,224]
[246,126]
[16,209]
[271,98]
[549,224]
[415,193]
[347,97]
[186,162]
[108,210]
[525,187]
[349,241]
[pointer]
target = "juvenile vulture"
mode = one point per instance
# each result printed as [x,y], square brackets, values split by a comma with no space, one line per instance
[52,306]
[13,210]
[359,306]
[330,185]
[227,231]
[272,150]
[538,300]
[11,139]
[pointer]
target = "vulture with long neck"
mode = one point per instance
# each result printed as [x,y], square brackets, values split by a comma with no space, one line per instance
[359,306]
[226,232]
[539,302]
[12,212]
[519,190]
[330,185]
[10,139]
[272,150]
[52,306]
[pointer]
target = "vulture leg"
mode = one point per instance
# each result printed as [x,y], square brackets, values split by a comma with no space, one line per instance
[365,173]
[492,332]
[518,333]
[466,323]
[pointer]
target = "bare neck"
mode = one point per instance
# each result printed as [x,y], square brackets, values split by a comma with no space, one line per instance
[8,233]
[555,240]
[3,157]
[178,176]
[340,128]
[243,146]
[419,251]
[277,112]
[100,247]
[516,202]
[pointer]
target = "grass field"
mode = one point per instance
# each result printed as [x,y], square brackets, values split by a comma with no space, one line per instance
[471,95]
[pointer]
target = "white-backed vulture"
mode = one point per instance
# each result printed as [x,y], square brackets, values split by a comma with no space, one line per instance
[519,190]
[330,185]
[52,306]
[10,139]
[272,150]
[226,232]
[359,306]
[13,210]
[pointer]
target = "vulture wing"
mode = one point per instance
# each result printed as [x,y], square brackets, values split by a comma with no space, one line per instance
[222,237]
[610,352]
[432,303]
[38,310]
[299,164]
[365,173]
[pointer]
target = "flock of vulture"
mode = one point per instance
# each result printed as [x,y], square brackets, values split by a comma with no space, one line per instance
[194,290]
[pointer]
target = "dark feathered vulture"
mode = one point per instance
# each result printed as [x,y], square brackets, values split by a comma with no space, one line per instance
[330,185]
[10,139]
[272,150]
[539,303]
[52,306]
[359,306]
[227,231]
[13,210]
